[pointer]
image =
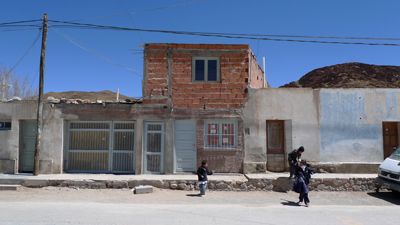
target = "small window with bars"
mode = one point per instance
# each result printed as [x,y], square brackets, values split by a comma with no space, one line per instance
[220,134]
[5,124]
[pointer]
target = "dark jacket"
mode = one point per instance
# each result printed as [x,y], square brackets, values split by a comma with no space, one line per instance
[294,155]
[305,174]
[202,173]
[303,179]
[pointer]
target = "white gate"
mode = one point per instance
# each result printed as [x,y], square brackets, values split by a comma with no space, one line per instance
[185,146]
[101,146]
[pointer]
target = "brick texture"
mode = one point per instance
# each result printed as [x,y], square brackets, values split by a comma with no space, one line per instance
[230,92]
[221,160]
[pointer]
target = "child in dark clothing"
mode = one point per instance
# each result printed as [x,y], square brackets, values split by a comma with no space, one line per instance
[202,173]
[303,173]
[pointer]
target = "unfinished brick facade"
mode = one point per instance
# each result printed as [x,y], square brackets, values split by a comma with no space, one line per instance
[168,75]
[170,79]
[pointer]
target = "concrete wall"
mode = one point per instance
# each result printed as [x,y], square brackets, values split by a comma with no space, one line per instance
[334,125]
[297,107]
[52,141]
[351,123]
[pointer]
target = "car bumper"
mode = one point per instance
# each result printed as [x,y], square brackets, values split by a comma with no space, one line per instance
[388,183]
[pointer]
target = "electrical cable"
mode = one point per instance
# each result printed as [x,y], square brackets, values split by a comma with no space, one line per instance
[130,16]
[91,50]
[149,10]
[235,36]
[26,53]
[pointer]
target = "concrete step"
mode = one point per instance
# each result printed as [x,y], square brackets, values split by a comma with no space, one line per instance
[9,187]
[13,181]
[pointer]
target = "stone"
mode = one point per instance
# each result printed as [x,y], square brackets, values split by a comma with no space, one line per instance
[173,186]
[143,189]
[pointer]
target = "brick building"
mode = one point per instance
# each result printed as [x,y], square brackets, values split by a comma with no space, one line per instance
[205,87]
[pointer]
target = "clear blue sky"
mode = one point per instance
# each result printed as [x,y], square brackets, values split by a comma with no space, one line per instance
[70,68]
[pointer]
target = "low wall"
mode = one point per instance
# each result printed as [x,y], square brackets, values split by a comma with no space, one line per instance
[280,184]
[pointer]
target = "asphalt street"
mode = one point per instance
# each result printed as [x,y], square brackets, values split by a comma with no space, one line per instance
[120,206]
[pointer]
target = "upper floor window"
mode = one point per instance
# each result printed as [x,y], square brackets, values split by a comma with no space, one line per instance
[5,124]
[205,69]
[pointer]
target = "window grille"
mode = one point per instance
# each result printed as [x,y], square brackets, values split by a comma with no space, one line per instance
[220,135]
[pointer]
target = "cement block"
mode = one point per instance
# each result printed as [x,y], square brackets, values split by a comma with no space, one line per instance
[9,187]
[143,189]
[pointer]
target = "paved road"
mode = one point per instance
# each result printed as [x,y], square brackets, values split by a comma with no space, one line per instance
[72,206]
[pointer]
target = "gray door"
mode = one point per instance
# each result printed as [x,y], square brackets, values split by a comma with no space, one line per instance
[185,146]
[154,147]
[29,143]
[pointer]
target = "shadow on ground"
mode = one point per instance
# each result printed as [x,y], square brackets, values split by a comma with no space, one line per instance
[193,195]
[392,197]
[289,203]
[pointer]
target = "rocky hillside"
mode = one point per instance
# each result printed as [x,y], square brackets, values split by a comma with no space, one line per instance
[350,75]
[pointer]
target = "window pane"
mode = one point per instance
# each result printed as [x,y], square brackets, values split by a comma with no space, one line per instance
[199,70]
[228,140]
[212,70]
[154,142]
[154,127]
[228,128]
[212,140]
[212,128]
[274,136]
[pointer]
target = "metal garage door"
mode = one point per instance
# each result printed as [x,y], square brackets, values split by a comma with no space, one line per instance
[101,146]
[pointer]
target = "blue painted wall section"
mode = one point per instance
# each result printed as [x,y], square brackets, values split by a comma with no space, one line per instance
[351,123]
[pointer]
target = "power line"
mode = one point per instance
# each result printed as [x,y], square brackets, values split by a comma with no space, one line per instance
[149,10]
[26,53]
[130,17]
[91,50]
[266,37]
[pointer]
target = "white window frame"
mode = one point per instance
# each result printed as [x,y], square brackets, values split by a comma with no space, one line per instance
[220,134]
[206,59]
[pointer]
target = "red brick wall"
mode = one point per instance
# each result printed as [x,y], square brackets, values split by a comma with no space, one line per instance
[230,92]
[257,74]
[221,160]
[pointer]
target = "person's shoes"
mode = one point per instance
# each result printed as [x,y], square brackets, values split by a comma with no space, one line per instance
[298,203]
[202,196]
[307,204]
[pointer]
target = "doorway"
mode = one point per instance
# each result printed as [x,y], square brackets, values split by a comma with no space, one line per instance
[275,146]
[390,137]
[185,146]
[28,145]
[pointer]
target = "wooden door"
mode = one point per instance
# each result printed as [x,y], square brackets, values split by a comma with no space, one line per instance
[275,136]
[390,138]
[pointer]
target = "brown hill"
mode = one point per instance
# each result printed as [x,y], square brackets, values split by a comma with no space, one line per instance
[91,96]
[350,75]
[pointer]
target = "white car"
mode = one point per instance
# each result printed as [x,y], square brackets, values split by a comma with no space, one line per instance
[389,172]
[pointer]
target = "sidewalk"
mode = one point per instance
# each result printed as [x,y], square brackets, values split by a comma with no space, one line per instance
[221,182]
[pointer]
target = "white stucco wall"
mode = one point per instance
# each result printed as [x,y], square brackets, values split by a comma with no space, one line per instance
[298,107]
[52,135]
[334,125]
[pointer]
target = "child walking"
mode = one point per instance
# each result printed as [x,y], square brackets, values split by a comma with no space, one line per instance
[303,173]
[202,173]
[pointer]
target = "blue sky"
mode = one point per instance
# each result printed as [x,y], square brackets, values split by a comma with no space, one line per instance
[70,68]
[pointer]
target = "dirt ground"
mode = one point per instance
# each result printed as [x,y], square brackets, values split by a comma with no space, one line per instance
[162,196]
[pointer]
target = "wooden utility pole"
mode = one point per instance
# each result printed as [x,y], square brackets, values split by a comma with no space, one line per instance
[40,100]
